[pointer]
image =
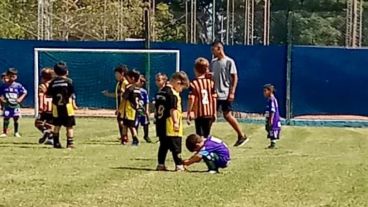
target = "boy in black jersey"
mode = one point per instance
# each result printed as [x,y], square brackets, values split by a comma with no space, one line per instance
[61,91]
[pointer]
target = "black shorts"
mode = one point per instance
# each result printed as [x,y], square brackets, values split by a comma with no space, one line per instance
[67,121]
[172,143]
[225,105]
[45,117]
[129,123]
[203,126]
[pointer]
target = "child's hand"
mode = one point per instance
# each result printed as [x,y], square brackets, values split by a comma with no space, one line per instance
[185,163]
[19,100]
[176,127]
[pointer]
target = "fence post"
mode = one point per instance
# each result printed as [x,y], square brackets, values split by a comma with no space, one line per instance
[288,66]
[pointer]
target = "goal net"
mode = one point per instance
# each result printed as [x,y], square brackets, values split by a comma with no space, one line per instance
[92,70]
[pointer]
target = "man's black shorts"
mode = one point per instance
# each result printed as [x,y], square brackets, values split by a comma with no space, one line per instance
[67,121]
[225,105]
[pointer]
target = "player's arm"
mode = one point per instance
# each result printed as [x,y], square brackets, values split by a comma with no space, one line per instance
[108,94]
[214,99]
[74,102]
[194,159]
[23,93]
[191,101]
[174,113]
[41,96]
[234,81]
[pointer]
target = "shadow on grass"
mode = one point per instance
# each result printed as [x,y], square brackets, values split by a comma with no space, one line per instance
[152,170]
[11,145]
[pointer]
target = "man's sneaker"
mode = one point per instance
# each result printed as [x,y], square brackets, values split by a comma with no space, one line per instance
[17,135]
[43,138]
[180,168]
[49,142]
[241,141]
[148,140]
[272,146]
[161,168]
[3,135]
[135,142]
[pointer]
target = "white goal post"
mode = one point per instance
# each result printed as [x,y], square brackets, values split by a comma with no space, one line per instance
[37,52]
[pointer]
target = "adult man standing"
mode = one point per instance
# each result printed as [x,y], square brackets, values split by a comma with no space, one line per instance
[226,79]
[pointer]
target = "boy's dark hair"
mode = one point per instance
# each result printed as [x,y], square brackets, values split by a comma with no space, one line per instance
[270,87]
[217,43]
[122,69]
[201,65]
[134,74]
[163,75]
[142,78]
[61,68]
[3,75]
[12,71]
[47,73]
[182,77]
[192,141]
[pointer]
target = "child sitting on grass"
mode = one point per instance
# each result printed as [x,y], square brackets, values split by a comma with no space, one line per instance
[213,151]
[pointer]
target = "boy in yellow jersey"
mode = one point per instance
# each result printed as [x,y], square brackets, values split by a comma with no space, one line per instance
[121,84]
[129,105]
[61,90]
[169,120]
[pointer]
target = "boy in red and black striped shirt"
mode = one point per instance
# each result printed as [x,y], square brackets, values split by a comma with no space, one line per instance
[202,99]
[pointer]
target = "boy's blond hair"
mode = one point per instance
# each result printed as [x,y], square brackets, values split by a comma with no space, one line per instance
[201,65]
[182,77]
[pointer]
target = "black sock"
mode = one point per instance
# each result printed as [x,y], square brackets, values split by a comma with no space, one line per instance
[162,152]
[16,125]
[56,138]
[135,138]
[69,141]
[5,125]
[177,158]
[145,130]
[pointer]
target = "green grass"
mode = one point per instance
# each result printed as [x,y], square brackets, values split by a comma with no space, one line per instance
[312,167]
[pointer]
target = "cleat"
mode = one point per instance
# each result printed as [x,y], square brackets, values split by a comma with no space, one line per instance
[241,141]
[43,138]
[70,146]
[148,140]
[3,135]
[17,135]
[135,142]
[57,145]
[213,171]
[180,168]
[272,146]
[124,140]
[49,142]
[161,168]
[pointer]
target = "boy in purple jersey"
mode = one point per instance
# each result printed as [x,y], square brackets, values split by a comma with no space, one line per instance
[143,109]
[213,151]
[273,122]
[11,95]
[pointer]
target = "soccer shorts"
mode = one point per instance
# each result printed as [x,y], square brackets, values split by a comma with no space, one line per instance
[142,120]
[129,123]
[66,121]
[11,112]
[45,117]
[273,134]
[203,126]
[224,105]
[213,160]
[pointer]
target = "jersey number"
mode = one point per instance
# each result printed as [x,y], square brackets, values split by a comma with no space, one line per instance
[160,111]
[60,99]
[205,100]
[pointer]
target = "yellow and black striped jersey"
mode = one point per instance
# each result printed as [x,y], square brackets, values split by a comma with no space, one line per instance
[129,104]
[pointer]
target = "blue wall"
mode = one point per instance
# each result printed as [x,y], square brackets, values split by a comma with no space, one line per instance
[324,80]
[329,81]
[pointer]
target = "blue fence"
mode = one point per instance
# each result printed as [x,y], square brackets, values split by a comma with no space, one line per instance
[323,80]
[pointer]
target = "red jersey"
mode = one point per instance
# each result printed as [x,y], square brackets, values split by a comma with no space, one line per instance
[44,101]
[203,94]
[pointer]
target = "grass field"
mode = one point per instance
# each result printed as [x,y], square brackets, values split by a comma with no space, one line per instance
[312,167]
